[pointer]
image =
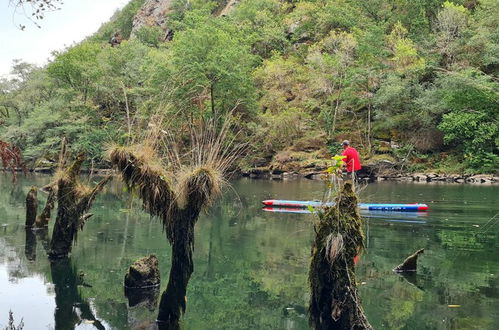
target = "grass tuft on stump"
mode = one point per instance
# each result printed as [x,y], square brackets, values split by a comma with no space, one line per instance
[334,301]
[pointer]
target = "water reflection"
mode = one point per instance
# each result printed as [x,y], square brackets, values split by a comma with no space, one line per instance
[251,266]
[30,245]
[33,235]
[71,308]
[138,297]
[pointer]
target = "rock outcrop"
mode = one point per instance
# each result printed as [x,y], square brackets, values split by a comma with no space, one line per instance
[231,4]
[153,13]
[143,273]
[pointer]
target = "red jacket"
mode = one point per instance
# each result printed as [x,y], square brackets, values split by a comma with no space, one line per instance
[352,159]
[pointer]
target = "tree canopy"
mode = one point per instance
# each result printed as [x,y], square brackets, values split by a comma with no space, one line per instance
[421,74]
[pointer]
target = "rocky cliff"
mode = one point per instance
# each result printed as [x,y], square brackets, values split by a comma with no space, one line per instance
[231,4]
[152,13]
[155,13]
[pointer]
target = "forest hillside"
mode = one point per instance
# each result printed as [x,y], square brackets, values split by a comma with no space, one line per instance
[407,82]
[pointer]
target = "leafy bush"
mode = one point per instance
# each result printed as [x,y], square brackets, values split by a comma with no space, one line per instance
[150,35]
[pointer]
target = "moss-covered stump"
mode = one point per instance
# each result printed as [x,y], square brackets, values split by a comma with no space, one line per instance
[179,211]
[334,302]
[31,207]
[143,273]
[73,201]
[43,219]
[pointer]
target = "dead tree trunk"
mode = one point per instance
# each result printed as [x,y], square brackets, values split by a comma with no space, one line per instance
[155,189]
[334,302]
[31,207]
[173,300]
[43,219]
[73,201]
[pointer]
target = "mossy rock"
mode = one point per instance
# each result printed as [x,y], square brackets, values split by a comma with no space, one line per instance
[143,273]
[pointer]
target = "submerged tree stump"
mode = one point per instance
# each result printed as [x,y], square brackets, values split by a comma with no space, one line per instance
[334,301]
[31,207]
[73,200]
[30,245]
[410,264]
[143,273]
[173,300]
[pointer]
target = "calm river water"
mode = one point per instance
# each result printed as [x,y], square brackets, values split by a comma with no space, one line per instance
[251,266]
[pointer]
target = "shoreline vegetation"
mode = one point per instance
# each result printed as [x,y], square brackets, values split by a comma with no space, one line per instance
[368,175]
[412,84]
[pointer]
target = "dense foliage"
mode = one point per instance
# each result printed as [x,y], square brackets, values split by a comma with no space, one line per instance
[420,74]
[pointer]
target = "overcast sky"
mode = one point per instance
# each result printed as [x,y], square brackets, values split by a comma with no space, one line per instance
[76,20]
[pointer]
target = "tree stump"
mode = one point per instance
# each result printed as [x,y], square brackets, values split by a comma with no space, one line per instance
[73,200]
[334,301]
[43,219]
[31,207]
[143,273]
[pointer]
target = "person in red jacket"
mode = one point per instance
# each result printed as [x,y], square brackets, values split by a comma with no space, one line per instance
[352,160]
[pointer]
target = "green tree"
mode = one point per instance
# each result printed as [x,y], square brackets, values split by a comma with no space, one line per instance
[471,123]
[211,67]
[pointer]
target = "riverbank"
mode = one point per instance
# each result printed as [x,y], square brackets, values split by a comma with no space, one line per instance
[368,173]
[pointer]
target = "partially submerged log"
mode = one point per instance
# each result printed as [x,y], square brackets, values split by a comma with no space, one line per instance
[410,264]
[31,207]
[73,200]
[334,301]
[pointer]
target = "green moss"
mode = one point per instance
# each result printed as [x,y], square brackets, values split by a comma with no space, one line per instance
[334,303]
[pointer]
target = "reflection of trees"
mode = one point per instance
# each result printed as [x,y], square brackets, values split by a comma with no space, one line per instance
[30,245]
[248,266]
[32,236]
[71,308]
[457,267]
[247,281]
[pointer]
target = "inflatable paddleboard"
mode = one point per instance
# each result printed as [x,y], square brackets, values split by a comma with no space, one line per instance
[386,216]
[363,206]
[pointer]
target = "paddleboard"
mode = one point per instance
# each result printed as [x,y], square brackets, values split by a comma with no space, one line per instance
[363,206]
